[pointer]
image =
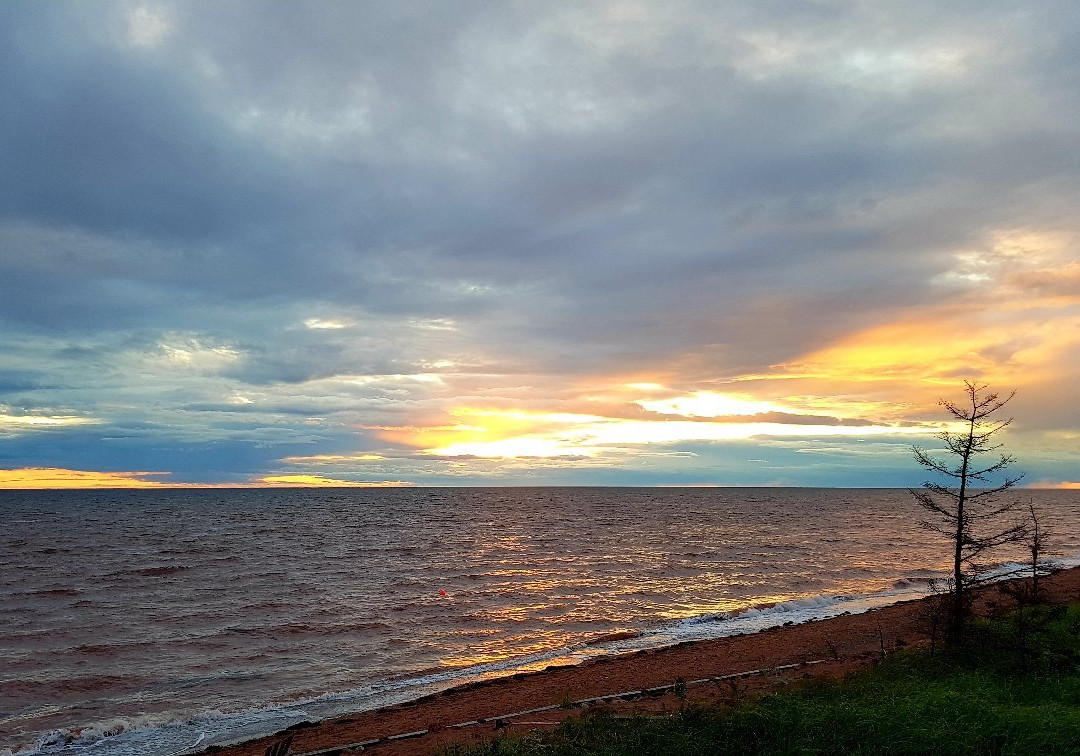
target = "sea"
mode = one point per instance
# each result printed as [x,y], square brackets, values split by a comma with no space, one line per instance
[160,622]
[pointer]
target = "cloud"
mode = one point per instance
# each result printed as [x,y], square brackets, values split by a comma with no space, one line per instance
[332,459]
[318,481]
[12,424]
[514,434]
[709,404]
[56,478]
[27,478]
[237,233]
[1065,485]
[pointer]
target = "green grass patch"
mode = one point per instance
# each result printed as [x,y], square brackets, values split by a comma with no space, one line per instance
[977,702]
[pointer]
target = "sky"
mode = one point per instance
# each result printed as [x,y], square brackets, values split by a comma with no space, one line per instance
[491,242]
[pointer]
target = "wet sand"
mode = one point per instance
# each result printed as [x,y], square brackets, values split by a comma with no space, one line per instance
[716,671]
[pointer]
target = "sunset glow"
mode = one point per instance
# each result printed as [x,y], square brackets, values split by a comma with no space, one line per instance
[1071,485]
[709,404]
[58,478]
[535,252]
[519,434]
[45,478]
[317,481]
[347,346]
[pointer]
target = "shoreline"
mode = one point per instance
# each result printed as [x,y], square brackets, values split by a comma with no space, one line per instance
[716,670]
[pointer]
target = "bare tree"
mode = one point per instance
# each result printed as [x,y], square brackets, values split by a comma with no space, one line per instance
[1030,620]
[967,508]
[1035,541]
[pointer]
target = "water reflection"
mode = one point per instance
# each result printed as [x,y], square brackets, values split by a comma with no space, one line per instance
[234,598]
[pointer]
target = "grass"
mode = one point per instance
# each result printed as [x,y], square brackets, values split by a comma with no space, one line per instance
[1013,692]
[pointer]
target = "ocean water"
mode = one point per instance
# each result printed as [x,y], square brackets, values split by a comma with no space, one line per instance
[160,622]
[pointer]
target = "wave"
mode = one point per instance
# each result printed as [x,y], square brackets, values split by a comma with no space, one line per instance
[162,570]
[68,685]
[305,629]
[121,735]
[915,581]
[149,736]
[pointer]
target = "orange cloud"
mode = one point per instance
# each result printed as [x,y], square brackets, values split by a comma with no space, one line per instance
[912,359]
[1010,317]
[318,481]
[1062,485]
[58,478]
[925,349]
[54,477]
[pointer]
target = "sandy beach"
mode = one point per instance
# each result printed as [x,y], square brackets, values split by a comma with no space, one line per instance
[720,670]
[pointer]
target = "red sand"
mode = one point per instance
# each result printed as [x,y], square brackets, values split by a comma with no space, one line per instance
[778,657]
